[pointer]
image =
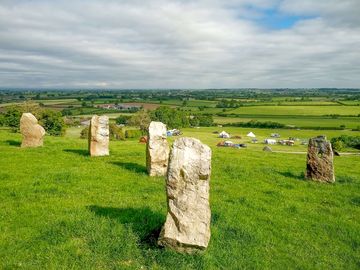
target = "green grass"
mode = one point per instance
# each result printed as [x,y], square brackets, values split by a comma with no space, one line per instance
[70,101]
[297,110]
[351,102]
[312,121]
[61,209]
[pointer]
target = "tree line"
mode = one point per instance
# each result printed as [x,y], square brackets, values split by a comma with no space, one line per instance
[51,120]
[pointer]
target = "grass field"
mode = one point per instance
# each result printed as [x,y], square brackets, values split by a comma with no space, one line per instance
[69,101]
[297,110]
[61,209]
[110,115]
[314,121]
[351,102]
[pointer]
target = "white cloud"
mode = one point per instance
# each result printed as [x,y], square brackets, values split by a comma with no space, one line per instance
[176,44]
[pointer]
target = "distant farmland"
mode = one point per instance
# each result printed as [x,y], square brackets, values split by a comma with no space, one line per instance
[296,110]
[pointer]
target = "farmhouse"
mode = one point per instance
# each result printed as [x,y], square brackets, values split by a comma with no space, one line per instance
[118,106]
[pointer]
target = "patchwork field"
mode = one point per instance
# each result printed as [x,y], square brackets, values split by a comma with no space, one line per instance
[297,110]
[309,121]
[61,209]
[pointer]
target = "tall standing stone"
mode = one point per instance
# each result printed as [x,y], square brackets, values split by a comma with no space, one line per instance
[33,133]
[320,164]
[157,149]
[99,136]
[187,226]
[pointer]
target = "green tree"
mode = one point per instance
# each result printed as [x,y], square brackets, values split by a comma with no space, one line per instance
[338,145]
[2,119]
[202,120]
[122,119]
[140,119]
[12,118]
[206,120]
[84,133]
[66,112]
[53,122]
[171,117]
[194,121]
[116,133]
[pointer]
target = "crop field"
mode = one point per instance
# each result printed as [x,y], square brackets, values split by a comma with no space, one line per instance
[65,210]
[297,110]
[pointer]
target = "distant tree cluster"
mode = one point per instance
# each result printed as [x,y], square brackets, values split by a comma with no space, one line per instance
[115,133]
[346,141]
[140,119]
[225,103]
[116,96]
[202,120]
[171,117]
[51,120]
[122,119]
[258,124]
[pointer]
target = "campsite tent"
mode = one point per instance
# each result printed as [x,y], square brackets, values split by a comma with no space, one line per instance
[143,139]
[173,132]
[223,134]
[270,141]
[251,135]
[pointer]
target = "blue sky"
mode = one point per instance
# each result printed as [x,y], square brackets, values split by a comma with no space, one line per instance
[273,19]
[179,43]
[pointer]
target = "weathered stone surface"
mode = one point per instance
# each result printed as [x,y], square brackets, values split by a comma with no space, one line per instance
[187,226]
[320,166]
[157,149]
[32,132]
[99,136]
[267,149]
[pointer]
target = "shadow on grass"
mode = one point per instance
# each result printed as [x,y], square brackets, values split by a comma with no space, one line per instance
[143,221]
[300,176]
[131,166]
[13,143]
[80,152]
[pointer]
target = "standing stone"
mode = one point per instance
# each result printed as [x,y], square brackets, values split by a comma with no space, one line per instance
[187,226]
[267,149]
[32,132]
[320,166]
[99,136]
[157,149]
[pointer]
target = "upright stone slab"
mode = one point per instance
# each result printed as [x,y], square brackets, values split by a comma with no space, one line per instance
[99,136]
[187,226]
[320,165]
[32,132]
[157,149]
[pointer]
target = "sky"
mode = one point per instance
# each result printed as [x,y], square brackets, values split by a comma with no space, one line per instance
[179,44]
